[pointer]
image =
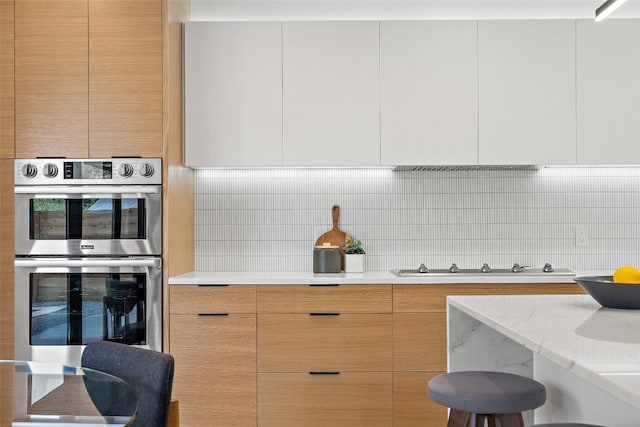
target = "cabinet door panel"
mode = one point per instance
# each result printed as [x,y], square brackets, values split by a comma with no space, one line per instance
[215,373]
[608,91]
[429,92]
[233,94]
[419,342]
[433,298]
[7,110]
[346,400]
[411,404]
[339,299]
[188,299]
[304,343]
[51,78]
[331,101]
[7,292]
[125,78]
[527,92]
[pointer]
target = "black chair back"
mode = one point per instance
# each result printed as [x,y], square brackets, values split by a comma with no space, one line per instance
[149,372]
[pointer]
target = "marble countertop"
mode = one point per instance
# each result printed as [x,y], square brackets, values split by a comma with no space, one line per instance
[597,344]
[372,277]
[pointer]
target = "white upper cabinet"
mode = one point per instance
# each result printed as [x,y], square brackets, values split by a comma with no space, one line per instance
[608,71]
[527,92]
[233,93]
[429,92]
[331,100]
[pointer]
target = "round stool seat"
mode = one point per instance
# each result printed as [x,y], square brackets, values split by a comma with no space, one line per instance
[485,392]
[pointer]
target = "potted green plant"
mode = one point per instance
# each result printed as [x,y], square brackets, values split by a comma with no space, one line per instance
[353,256]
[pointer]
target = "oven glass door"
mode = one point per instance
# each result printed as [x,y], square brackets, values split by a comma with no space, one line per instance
[88,221]
[77,308]
[64,303]
[100,218]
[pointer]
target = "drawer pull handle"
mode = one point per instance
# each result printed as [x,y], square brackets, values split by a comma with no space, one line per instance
[324,284]
[213,314]
[324,373]
[324,314]
[211,285]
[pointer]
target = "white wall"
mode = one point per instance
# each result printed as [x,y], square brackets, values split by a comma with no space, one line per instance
[268,219]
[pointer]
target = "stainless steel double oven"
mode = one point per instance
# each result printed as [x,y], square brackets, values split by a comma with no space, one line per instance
[88,252]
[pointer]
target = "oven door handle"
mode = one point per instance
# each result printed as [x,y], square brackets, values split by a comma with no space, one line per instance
[102,189]
[88,262]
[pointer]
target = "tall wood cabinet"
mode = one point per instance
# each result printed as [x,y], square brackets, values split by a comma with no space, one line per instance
[51,78]
[88,78]
[7,145]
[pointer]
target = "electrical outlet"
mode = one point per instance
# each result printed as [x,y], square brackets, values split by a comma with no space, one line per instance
[582,235]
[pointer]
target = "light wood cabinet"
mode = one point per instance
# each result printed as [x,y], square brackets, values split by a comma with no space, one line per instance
[51,78]
[608,65]
[338,355]
[125,78]
[88,78]
[352,399]
[213,341]
[324,342]
[233,93]
[331,99]
[7,132]
[428,92]
[527,94]
[420,341]
[324,355]
[7,292]
[324,298]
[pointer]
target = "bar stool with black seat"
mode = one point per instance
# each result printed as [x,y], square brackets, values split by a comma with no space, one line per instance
[476,396]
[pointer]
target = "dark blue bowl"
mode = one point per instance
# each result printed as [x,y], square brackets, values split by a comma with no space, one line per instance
[609,294]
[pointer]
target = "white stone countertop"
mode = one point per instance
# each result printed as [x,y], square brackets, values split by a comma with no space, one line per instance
[598,344]
[369,277]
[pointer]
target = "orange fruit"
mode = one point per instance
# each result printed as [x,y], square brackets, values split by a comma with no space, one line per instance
[627,274]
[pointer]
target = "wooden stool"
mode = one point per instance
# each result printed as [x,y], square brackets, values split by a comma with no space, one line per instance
[475,396]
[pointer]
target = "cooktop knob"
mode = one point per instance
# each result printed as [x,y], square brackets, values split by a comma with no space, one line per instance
[423,268]
[125,170]
[50,170]
[485,268]
[454,268]
[146,169]
[29,170]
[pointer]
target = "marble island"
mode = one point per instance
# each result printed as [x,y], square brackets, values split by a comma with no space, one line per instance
[587,356]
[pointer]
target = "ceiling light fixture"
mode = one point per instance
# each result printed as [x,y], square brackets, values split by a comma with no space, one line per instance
[607,8]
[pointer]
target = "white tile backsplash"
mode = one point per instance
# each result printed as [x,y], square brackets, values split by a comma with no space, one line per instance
[268,219]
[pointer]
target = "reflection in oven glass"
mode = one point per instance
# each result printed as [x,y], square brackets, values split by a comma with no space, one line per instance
[104,218]
[74,308]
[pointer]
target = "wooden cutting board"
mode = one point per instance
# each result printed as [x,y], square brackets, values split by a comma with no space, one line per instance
[335,236]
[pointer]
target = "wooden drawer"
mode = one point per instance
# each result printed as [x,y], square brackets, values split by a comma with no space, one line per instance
[194,299]
[355,399]
[215,369]
[304,343]
[419,342]
[432,297]
[411,404]
[336,298]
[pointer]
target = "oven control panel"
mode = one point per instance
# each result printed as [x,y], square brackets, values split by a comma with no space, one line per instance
[115,171]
